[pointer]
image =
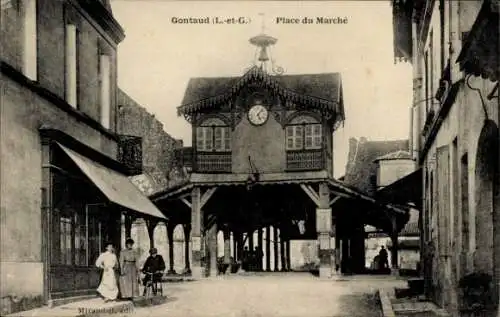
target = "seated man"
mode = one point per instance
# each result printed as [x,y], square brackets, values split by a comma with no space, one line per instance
[153,267]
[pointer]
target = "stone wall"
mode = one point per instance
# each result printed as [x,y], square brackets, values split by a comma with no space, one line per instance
[158,146]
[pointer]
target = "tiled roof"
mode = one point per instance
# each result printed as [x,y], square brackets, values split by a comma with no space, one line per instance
[411,229]
[361,168]
[397,155]
[325,86]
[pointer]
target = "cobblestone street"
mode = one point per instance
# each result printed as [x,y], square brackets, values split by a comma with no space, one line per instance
[274,294]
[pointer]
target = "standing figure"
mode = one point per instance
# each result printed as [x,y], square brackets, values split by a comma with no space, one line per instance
[153,268]
[108,262]
[383,258]
[129,285]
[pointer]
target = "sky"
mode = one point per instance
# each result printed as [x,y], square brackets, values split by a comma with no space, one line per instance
[158,57]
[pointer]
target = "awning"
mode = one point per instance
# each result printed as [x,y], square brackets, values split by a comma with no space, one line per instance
[404,191]
[479,54]
[114,185]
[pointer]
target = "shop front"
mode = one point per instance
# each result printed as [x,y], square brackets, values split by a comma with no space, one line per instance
[86,194]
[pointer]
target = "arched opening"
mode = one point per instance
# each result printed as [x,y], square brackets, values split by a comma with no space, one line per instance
[486,219]
[139,233]
[179,261]
[160,240]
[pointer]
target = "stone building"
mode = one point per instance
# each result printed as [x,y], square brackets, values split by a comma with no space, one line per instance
[63,188]
[159,164]
[367,175]
[453,47]
[160,169]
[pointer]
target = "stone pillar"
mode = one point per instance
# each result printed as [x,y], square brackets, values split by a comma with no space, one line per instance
[187,233]
[282,252]
[395,247]
[268,248]
[323,227]
[261,248]
[288,256]
[276,259]
[170,236]
[227,246]
[197,235]
[212,249]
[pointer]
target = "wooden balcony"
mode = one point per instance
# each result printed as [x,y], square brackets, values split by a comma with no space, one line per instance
[213,162]
[305,160]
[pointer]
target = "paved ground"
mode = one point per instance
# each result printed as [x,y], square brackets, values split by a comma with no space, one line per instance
[273,295]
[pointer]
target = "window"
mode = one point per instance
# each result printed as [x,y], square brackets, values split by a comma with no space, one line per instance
[105,80]
[427,100]
[431,69]
[71,67]
[28,8]
[213,135]
[304,134]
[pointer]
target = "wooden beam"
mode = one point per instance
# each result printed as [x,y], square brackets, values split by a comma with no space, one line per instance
[206,196]
[185,201]
[334,200]
[311,193]
[340,194]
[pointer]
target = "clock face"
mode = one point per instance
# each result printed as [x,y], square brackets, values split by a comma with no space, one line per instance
[258,115]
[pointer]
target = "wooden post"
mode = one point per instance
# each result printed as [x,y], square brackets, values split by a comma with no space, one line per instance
[170,236]
[268,248]
[395,246]
[187,234]
[323,227]
[196,234]
[261,248]
[46,197]
[151,224]
[288,256]
[128,225]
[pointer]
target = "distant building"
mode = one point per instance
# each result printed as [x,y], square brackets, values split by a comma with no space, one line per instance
[365,173]
[453,47]
[63,185]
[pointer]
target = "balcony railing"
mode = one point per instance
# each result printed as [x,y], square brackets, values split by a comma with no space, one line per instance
[305,160]
[130,153]
[213,162]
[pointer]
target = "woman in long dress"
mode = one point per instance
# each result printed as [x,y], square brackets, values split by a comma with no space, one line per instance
[108,262]
[129,285]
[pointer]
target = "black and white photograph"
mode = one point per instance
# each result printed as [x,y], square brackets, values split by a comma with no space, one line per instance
[219,158]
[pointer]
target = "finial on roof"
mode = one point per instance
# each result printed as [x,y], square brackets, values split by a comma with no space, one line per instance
[263,42]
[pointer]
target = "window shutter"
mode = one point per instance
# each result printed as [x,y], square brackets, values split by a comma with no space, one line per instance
[227,138]
[309,136]
[200,139]
[218,139]
[317,135]
[209,146]
[299,140]
[443,199]
[290,132]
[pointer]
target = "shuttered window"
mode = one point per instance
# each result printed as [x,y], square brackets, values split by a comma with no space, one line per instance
[303,137]
[443,199]
[213,138]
